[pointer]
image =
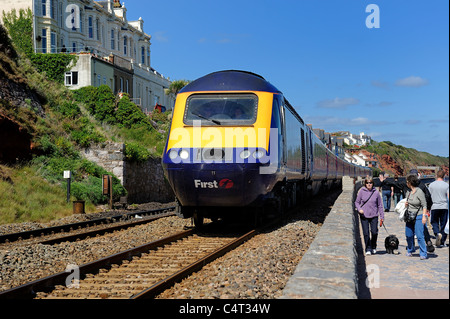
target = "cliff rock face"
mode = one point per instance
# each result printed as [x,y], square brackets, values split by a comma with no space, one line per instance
[16,91]
[387,163]
[15,94]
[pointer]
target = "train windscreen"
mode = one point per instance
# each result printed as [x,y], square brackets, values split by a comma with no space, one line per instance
[221,109]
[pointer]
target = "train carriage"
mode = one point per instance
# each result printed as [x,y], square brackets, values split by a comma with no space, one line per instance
[235,141]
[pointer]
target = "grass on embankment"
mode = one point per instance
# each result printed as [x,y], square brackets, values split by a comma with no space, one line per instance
[25,196]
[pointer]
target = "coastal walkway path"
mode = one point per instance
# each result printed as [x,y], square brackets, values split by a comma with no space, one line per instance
[335,266]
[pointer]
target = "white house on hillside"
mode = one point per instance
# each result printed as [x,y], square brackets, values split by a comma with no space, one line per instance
[362,158]
[353,139]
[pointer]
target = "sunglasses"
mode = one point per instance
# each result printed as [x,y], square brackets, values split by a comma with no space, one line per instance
[369,183]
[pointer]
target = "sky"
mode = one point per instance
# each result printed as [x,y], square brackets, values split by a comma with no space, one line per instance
[342,64]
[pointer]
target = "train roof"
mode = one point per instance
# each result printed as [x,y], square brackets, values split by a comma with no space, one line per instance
[230,80]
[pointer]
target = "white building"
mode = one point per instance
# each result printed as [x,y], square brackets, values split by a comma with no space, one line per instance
[362,158]
[354,139]
[100,34]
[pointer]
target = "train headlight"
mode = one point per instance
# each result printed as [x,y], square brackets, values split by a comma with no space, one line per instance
[184,154]
[258,154]
[173,154]
[245,154]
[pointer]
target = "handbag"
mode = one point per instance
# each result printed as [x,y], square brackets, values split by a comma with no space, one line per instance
[410,216]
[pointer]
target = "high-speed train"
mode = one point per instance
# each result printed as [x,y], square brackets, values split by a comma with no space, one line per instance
[235,141]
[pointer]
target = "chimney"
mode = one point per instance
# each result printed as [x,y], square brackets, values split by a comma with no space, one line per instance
[110,6]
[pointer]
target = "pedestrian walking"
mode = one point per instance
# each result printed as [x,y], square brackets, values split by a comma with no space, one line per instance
[387,191]
[404,187]
[416,204]
[439,191]
[398,193]
[370,207]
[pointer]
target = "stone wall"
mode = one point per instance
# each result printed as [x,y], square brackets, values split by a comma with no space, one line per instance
[144,182]
[328,270]
[110,156]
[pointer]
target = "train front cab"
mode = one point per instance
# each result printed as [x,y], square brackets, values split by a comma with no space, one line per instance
[213,162]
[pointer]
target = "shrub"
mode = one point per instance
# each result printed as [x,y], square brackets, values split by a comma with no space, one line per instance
[55,65]
[91,190]
[136,153]
[20,29]
[88,96]
[129,115]
[104,108]
[69,109]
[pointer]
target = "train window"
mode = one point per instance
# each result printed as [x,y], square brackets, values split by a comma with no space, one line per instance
[221,109]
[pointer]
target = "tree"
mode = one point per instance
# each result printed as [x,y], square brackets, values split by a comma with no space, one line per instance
[176,87]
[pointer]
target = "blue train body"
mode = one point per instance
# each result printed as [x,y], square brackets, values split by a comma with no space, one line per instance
[235,141]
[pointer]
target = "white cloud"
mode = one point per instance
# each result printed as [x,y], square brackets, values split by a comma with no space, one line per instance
[412,81]
[333,123]
[338,103]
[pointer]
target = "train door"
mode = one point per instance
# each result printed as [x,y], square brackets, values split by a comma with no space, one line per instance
[283,136]
[304,155]
[310,152]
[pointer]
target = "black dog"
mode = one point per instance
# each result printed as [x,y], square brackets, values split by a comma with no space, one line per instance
[391,243]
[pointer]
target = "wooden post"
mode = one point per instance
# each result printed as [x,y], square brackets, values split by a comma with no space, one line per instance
[110,193]
[107,188]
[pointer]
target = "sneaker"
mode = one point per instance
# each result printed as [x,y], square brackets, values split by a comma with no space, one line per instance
[408,254]
[368,253]
[374,251]
[423,257]
[438,239]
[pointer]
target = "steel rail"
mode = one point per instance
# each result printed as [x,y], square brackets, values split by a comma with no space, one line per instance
[29,290]
[188,270]
[102,231]
[69,227]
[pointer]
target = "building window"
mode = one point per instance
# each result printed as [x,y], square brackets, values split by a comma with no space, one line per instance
[121,84]
[142,55]
[81,21]
[74,47]
[71,78]
[44,8]
[91,28]
[148,56]
[53,9]
[113,46]
[125,45]
[60,15]
[126,87]
[97,26]
[53,41]
[44,40]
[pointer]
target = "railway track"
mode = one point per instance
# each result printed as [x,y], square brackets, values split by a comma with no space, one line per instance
[100,226]
[141,272]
